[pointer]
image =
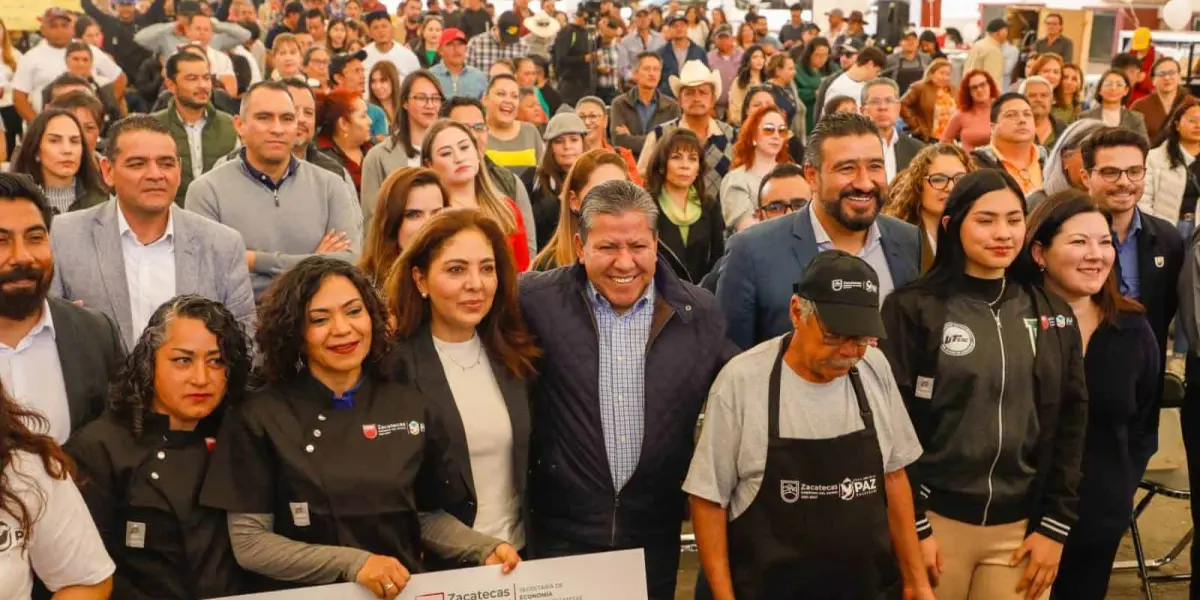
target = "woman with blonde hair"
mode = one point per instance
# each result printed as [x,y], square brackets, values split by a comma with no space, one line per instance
[451,150]
[8,67]
[593,168]
[410,196]
[1050,66]
[918,194]
[929,104]
[287,58]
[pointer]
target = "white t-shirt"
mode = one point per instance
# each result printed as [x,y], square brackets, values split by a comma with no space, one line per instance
[844,86]
[219,62]
[64,548]
[44,62]
[405,61]
[6,79]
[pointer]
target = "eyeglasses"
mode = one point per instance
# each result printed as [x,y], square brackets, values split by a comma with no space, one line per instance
[769,129]
[782,207]
[1167,73]
[586,117]
[1114,84]
[837,341]
[426,99]
[979,86]
[1113,174]
[943,183]
[476,127]
[883,102]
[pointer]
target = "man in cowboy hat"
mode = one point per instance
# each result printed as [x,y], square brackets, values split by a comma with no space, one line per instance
[697,89]
[679,50]
[542,30]
[854,29]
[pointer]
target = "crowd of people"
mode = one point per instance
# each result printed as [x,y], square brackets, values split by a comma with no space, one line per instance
[518,259]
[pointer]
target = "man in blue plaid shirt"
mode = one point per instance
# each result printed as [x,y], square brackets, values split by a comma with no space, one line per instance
[608,58]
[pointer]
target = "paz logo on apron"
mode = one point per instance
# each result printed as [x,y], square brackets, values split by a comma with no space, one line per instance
[370,431]
[300,516]
[135,534]
[789,490]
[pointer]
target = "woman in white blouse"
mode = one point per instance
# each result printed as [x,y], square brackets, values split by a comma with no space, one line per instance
[45,527]
[11,121]
[453,294]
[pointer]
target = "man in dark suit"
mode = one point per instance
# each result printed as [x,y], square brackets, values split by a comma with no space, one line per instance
[1149,249]
[846,171]
[881,103]
[55,358]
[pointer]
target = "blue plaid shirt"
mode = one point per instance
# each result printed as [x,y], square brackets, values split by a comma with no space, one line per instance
[623,339]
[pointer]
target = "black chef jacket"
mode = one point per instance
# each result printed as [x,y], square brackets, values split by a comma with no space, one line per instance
[143,493]
[350,476]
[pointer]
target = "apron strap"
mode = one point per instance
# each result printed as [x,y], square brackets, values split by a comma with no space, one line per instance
[860,394]
[773,389]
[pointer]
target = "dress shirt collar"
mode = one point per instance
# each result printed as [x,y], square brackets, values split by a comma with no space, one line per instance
[825,243]
[637,99]
[44,324]
[123,227]
[1135,226]
[265,179]
[599,302]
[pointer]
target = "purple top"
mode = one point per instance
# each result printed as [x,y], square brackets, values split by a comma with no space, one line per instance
[727,66]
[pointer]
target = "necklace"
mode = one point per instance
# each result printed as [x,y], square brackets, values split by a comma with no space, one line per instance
[1003,284]
[446,351]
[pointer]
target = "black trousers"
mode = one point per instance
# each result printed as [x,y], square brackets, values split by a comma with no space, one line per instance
[1190,417]
[12,128]
[662,560]
[1086,566]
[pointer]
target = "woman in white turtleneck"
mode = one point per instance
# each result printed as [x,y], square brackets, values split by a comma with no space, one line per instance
[463,344]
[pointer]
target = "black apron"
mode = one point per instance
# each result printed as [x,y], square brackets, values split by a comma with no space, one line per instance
[818,527]
[908,74]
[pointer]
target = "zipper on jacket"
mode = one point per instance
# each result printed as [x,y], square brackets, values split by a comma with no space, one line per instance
[616,507]
[275,193]
[999,414]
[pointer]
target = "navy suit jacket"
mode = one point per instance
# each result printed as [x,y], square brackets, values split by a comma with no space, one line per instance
[672,66]
[762,263]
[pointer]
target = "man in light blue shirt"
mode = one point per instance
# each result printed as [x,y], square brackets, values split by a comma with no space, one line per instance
[642,39]
[458,79]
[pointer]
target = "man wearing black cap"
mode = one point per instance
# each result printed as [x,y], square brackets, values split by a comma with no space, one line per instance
[347,72]
[679,49]
[503,42]
[292,12]
[806,494]
[641,38]
[988,53]
[383,46]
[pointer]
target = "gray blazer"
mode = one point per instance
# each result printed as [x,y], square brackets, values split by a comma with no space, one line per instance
[1130,119]
[210,260]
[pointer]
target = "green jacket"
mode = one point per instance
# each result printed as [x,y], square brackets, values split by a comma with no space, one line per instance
[217,140]
[807,86]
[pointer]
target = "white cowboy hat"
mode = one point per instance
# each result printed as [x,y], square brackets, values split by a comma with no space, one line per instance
[694,73]
[542,24]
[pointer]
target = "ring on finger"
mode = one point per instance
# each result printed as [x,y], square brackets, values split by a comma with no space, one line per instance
[387,587]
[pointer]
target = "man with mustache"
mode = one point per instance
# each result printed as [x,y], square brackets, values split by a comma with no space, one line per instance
[1014,143]
[1149,249]
[806,494]
[202,133]
[847,172]
[57,357]
[129,255]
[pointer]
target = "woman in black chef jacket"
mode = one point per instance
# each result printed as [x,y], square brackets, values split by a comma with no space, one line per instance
[465,346]
[142,463]
[324,469]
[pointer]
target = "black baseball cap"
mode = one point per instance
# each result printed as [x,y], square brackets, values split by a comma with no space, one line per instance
[338,63]
[509,26]
[845,290]
[671,20]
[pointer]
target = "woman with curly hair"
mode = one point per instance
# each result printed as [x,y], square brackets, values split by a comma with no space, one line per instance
[304,506]
[143,462]
[691,225]
[47,529]
[918,195]
[763,143]
[464,345]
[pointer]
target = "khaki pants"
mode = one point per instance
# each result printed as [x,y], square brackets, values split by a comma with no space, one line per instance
[975,560]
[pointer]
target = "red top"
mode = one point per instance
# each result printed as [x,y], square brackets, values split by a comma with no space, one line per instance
[1145,87]
[354,169]
[517,240]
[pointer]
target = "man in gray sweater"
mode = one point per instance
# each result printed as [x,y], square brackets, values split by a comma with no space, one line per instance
[285,209]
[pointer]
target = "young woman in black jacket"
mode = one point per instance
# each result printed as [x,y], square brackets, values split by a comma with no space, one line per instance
[1070,250]
[991,371]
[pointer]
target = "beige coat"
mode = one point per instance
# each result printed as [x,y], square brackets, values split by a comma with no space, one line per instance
[987,55]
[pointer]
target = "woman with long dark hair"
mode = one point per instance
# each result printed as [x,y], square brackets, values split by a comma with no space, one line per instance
[344,130]
[383,86]
[750,74]
[1068,98]
[690,225]
[304,508]
[564,144]
[429,35]
[1171,185]
[991,370]
[1069,250]
[142,463]
[409,197]
[464,345]
[54,152]
[337,36]
[418,99]
[929,104]
[972,124]
[1111,95]
[918,194]
[812,67]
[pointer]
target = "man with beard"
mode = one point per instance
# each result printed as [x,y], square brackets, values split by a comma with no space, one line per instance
[846,169]
[202,133]
[1013,146]
[285,209]
[817,406]
[1149,249]
[57,357]
[129,255]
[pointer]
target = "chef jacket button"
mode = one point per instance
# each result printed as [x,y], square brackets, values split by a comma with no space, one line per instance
[161,455]
[316,433]
[320,417]
[154,476]
[687,307]
[309,448]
